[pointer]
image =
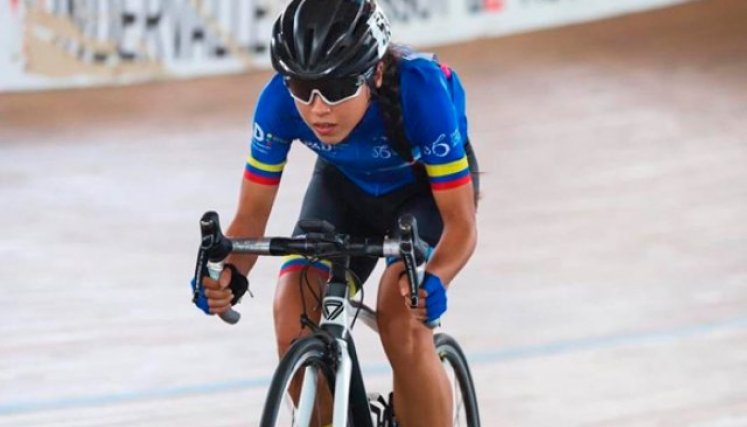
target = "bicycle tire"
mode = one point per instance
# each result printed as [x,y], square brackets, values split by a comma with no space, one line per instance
[307,352]
[450,352]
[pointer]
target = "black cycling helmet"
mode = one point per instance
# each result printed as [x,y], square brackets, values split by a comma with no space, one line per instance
[314,39]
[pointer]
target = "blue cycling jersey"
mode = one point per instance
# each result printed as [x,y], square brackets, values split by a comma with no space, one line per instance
[433,109]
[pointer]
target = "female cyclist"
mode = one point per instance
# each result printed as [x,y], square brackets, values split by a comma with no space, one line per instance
[390,131]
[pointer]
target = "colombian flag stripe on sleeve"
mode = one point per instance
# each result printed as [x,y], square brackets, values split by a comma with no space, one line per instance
[263,173]
[447,168]
[297,263]
[449,175]
[264,166]
[451,184]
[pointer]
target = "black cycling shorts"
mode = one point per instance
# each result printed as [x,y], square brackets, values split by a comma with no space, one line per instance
[332,197]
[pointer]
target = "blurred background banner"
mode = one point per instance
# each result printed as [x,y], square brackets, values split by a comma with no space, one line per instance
[67,43]
[61,43]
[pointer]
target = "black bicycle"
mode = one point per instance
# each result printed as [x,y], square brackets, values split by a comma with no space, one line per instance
[322,369]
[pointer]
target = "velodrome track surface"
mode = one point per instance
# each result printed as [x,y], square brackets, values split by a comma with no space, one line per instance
[609,287]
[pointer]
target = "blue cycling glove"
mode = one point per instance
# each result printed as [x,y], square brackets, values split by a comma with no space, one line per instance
[199,298]
[435,302]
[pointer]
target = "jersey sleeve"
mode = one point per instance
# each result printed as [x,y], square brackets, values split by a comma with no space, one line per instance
[269,146]
[432,123]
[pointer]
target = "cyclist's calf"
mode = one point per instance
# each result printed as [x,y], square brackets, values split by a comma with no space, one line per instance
[287,309]
[289,305]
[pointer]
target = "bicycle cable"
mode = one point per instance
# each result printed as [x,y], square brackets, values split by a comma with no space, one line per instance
[356,281]
[304,279]
[359,286]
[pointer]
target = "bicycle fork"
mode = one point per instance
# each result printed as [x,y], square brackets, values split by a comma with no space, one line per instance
[334,323]
[351,399]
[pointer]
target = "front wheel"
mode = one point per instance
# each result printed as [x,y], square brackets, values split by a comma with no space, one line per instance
[302,388]
[463,388]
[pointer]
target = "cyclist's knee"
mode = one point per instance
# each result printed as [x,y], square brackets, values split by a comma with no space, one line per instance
[405,341]
[402,335]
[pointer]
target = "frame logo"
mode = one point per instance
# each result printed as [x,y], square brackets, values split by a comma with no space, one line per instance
[332,309]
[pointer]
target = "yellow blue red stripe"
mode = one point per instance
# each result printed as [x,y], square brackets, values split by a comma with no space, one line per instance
[449,175]
[293,263]
[263,173]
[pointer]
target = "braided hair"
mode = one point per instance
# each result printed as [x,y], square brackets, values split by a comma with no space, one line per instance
[390,102]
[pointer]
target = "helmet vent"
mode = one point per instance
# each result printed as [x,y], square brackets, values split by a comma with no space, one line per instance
[308,40]
[337,30]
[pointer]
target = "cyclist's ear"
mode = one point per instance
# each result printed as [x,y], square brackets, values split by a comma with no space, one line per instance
[379,74]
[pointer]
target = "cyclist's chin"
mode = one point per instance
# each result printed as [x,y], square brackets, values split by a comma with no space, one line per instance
[332,138]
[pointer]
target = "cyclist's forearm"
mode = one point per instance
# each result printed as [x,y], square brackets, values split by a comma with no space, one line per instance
[245,228]
[459,236]
[255,205]
[456,246]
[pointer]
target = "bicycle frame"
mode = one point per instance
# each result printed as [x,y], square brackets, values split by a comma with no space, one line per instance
[336,309]
[349,394]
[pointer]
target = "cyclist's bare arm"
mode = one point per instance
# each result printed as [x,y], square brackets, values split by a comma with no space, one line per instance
[255,204]
[459,236]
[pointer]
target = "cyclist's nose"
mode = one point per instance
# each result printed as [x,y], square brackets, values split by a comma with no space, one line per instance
[318,106]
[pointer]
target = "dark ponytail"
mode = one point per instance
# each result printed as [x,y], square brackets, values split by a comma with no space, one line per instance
[391,103]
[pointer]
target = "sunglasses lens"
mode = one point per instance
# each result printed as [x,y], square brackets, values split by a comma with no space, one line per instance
[332,90]
[300,89]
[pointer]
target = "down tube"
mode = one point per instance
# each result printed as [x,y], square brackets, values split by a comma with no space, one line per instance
[342,386]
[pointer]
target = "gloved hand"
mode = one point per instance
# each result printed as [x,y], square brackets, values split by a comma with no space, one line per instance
[215,297]
[435,300]
[432,298]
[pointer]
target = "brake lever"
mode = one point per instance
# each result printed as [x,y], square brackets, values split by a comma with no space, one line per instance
[407,230]
[214,248]
[414,251]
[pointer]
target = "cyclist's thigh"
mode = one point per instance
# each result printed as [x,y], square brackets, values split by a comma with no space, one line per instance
[423,207]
